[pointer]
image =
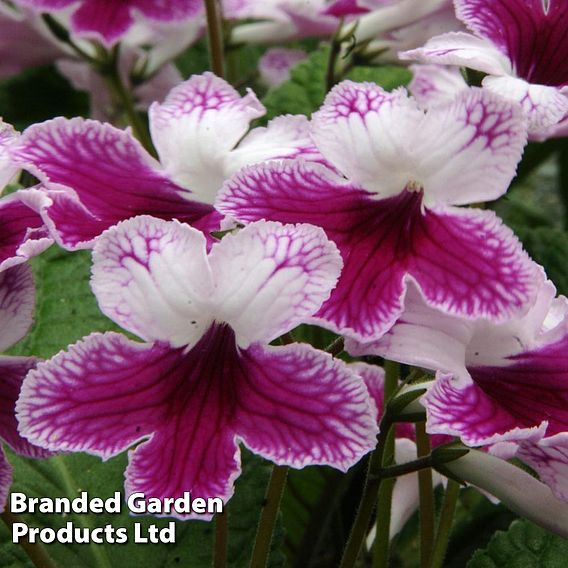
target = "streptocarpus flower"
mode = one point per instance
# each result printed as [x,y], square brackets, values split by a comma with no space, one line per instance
[21,44]
[95,175]
[281,20]
[16,309]
[275,65]
[394,218]
[494,383]
[205,378]
[521,45]
[107,21]
[22,232]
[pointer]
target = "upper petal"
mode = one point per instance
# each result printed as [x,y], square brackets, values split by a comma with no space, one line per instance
[195,128]
[544,106]
[285,137]
[464,50]
[432,85]
[105,176]
[152,277]
[270,278]
[475,144]
[531,32]
[22,232]
[17,296]
[364,131]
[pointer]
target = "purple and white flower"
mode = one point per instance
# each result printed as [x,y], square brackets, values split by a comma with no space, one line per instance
[95,175]
[22,231]
[495,383]
[206,377]
[523,48]
[108,21]
[16,311]
[275,65]
[395,218]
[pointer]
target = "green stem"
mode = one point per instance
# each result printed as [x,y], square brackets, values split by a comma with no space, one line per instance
[99,554]
[221,539]
[124,98]
[336,347]
[215,37]
[35,552]
[384,502]
[374,479]
[445,524]
[334,52]
[425,485]
[268,517]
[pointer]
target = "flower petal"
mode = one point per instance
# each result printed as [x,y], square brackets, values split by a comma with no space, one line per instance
[363,131]
[106,21]
[465,261]
[105,176]
[478,140]
[22,233]
[464,152]
[443,339]
[152,277]
[285,137]
[544,106]
[532,35]
[195,128]
[5,480]
[17,297]
[549,458]
[299,406]
[270,278]
[515,488]
[468,263]
[463,50]
[369,293]
[100,396]
[476,417]
[275,65]
[13,370]
[7,168]
[432,85]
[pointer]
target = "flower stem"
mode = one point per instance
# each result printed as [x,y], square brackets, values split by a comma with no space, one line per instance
[124,98]
[336,347]
[334,52]
[268,517]
[221,539]
[374,478]
[384,503]
[35,552]
[445,524]
[427,518]
[215,37]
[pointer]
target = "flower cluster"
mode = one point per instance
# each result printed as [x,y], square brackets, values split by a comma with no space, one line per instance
[213,238]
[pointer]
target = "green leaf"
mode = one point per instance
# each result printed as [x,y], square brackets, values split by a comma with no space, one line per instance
[39,94]
[304,92]
[66,309]
[68,475]
[389,77]
[549,247]
[523,545]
